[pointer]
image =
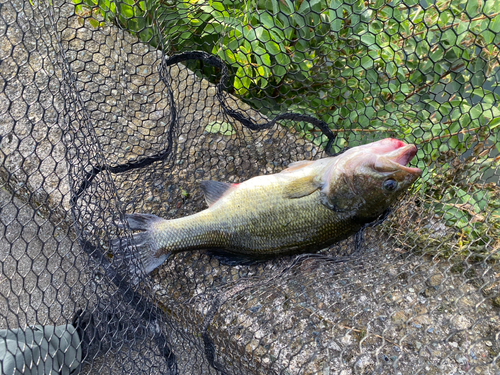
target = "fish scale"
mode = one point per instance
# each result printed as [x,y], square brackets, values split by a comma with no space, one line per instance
[307,207]
[275,226]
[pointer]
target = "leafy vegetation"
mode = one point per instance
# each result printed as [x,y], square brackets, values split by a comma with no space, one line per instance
[391,67]
[368,68]
[458,215]
[219,127]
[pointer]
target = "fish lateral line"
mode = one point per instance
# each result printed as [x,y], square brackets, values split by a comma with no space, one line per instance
[262,216]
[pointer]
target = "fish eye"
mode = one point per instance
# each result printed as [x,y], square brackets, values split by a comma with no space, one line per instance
[390,185]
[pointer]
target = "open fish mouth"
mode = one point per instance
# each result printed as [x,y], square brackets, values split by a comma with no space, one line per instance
[402,155]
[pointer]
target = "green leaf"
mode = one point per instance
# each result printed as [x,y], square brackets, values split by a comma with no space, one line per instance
[494,123]
[372,76]
[249,34]
[266,60]
[335,13]
[454,142]
[472,8]
[268,21]
[241,81]
[279,70]
[283,59]
[126,10]
[242,58]
[217,5]
[486,95]
[227,55]
[391,69]
[262,34]
[277,35]
[290,6]
[495,24]
[335,4]
[93,22]
[219,127]
[275,6]
[476,111]
[335,24]
[368,39]
[273,48]
[488,36]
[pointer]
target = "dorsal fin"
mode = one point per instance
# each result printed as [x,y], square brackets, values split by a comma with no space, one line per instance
[297,165]
[214,190]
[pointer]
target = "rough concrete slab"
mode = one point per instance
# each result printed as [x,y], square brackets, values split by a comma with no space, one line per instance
[386,311]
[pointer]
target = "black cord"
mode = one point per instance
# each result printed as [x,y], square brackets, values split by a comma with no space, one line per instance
[237,115]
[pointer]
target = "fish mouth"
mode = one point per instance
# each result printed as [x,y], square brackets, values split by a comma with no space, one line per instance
[401,156]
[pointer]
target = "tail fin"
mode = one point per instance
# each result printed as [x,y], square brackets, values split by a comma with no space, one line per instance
[139,252]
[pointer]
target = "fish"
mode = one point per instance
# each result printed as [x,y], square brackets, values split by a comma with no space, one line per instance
[307,207]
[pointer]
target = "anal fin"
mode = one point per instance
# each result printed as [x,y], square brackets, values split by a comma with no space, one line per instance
[231,259]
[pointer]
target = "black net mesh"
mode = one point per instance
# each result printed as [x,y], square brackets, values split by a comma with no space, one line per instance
[111,108]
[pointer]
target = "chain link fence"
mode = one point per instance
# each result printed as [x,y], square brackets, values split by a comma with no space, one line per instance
[111,108]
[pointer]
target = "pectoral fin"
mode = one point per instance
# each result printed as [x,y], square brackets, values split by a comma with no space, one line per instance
[301,187]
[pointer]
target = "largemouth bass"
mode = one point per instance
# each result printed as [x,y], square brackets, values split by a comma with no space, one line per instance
[306,207]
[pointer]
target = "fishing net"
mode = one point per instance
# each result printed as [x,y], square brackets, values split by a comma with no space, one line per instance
[109,108]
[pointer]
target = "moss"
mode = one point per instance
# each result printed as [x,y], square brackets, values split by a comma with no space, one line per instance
[496,301]
[361,333]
